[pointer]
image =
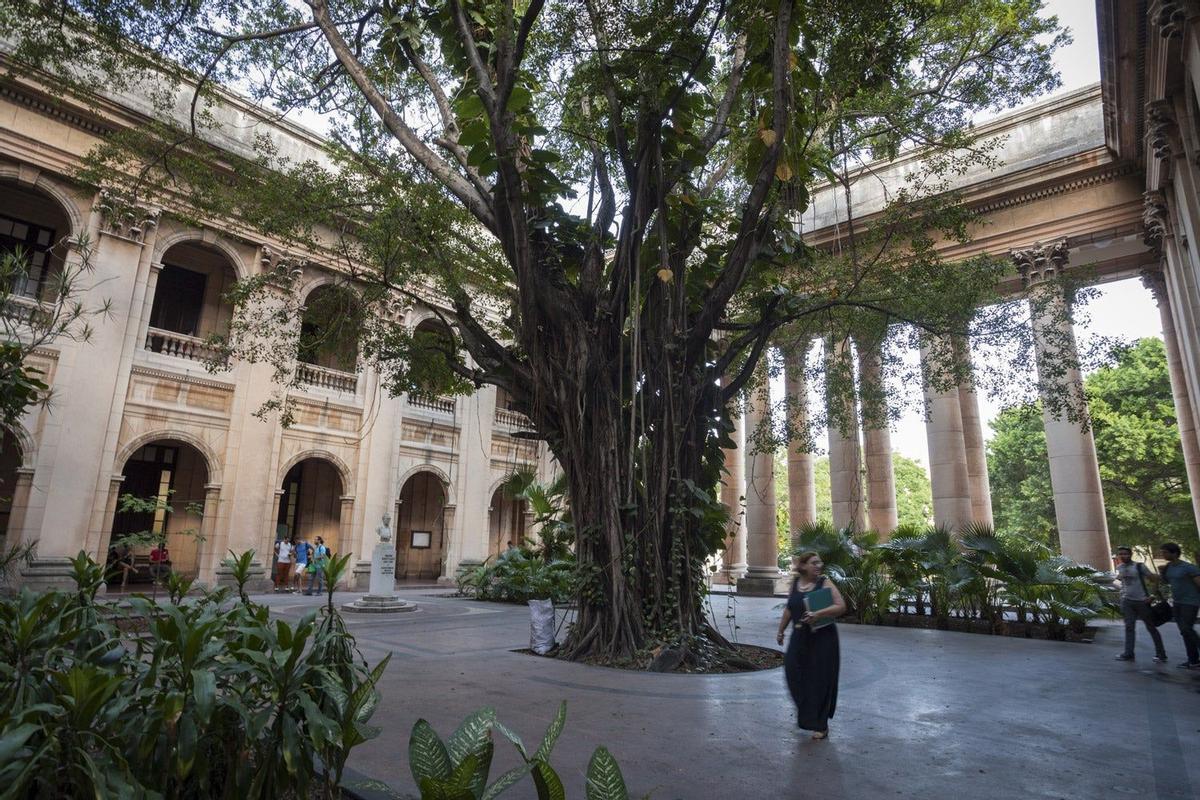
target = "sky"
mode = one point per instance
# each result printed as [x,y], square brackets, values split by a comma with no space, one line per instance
[1123,309]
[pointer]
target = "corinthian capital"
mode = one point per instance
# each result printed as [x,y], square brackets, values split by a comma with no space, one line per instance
[1041,262]
[1171,16]
[1154,218]
[1162,132]
[1154,280]
[124,216]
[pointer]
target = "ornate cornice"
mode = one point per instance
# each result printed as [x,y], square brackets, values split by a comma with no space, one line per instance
[181,377]
[1108,175]
[282,269]
[12,93]
[1041,262]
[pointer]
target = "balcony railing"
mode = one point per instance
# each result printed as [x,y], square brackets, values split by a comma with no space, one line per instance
[21,310]
[326,378]
[180,345]
[443,404]
[512,419]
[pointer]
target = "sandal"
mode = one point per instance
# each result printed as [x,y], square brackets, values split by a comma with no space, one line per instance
[820,735]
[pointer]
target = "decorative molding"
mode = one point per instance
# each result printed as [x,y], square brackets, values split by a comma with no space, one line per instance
[9,92]
[124,218]
[1154,280]
[1108,175]
[1162,131]
[1171,16]
[1041,262]
[1155,219]
[180,377]
[283,270]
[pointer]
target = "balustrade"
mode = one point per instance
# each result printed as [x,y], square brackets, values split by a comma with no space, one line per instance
[180,345]
[326,378]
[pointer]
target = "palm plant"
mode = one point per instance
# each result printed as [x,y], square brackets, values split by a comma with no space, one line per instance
[924,565]
[548,502]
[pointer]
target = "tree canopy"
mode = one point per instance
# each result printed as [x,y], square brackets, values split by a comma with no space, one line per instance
[1146,496]
[605,191]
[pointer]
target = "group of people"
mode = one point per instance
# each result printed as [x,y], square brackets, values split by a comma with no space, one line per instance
[296,558]
[120,561]
[1138,602]
[812,661]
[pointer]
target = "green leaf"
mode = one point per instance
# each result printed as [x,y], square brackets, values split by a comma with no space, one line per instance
[204,688]
[604,780]
[520,99]
[472,735]
[549,785]
[506,781]
[427,756]
[473,133]
[552,733]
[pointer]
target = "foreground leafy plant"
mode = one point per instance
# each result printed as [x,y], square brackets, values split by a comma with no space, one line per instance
[195,699]
[458,768]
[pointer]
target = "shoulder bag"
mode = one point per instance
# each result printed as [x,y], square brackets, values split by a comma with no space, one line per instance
[1160,610]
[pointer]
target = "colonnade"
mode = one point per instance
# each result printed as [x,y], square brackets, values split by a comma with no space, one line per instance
[862,484]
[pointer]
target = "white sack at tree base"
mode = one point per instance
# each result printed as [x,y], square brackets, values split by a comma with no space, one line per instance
[541,626]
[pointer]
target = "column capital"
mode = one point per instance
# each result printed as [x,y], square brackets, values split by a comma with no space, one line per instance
[1171,16]
[1154,280]
[124,217]
[1040,262]
[1162,130]
[1155,220]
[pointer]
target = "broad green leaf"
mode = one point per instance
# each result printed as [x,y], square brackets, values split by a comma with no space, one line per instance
[604,780]
[427,755]
[506,781]
[471,736]
[549,785]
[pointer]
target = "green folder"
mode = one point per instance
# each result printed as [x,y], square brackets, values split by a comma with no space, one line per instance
[816,600]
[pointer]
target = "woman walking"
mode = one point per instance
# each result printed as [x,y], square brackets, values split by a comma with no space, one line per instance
[812,660]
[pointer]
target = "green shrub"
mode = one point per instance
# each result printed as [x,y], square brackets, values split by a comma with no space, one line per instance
[197,698]
[458,768]
[517,576]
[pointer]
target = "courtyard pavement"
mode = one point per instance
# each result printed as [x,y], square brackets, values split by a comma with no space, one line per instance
[921,714]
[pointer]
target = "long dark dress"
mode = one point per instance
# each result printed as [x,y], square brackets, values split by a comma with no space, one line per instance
[811,666]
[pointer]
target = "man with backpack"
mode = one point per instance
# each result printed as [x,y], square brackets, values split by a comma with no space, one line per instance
[316,567]
[1135,604]
[1184,580]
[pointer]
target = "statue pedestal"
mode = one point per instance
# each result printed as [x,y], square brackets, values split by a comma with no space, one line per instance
[381,590]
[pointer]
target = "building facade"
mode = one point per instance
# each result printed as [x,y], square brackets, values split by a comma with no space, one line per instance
[137,410]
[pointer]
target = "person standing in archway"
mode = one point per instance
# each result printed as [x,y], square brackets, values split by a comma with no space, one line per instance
[283,565]
[301,551]
[316,567]
[813,658]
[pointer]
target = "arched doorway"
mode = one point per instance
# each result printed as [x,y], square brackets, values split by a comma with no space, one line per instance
[310,504]
[10,462]
[189,304]
[421,527]
[506,522]
[161,499]
[35,225]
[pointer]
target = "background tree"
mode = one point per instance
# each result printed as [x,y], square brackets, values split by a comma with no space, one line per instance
[1146,495]
[467,132]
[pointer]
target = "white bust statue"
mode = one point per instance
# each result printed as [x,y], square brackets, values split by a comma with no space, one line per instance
[385,530]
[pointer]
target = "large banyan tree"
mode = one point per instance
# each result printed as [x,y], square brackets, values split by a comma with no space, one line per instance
[607,190]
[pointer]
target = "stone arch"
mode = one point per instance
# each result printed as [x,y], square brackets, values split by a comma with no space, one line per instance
[212,460]
[207,237]
[26,442]
[49,186]
[324,455]
[431,468]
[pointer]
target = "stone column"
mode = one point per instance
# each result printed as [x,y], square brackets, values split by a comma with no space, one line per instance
[1154,281]
[733,559]
[211,549]
[762,546]
[845,459]
[19,505]
[802,490]
[1074,469]
[976,448]
[948,472]
[877,444]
